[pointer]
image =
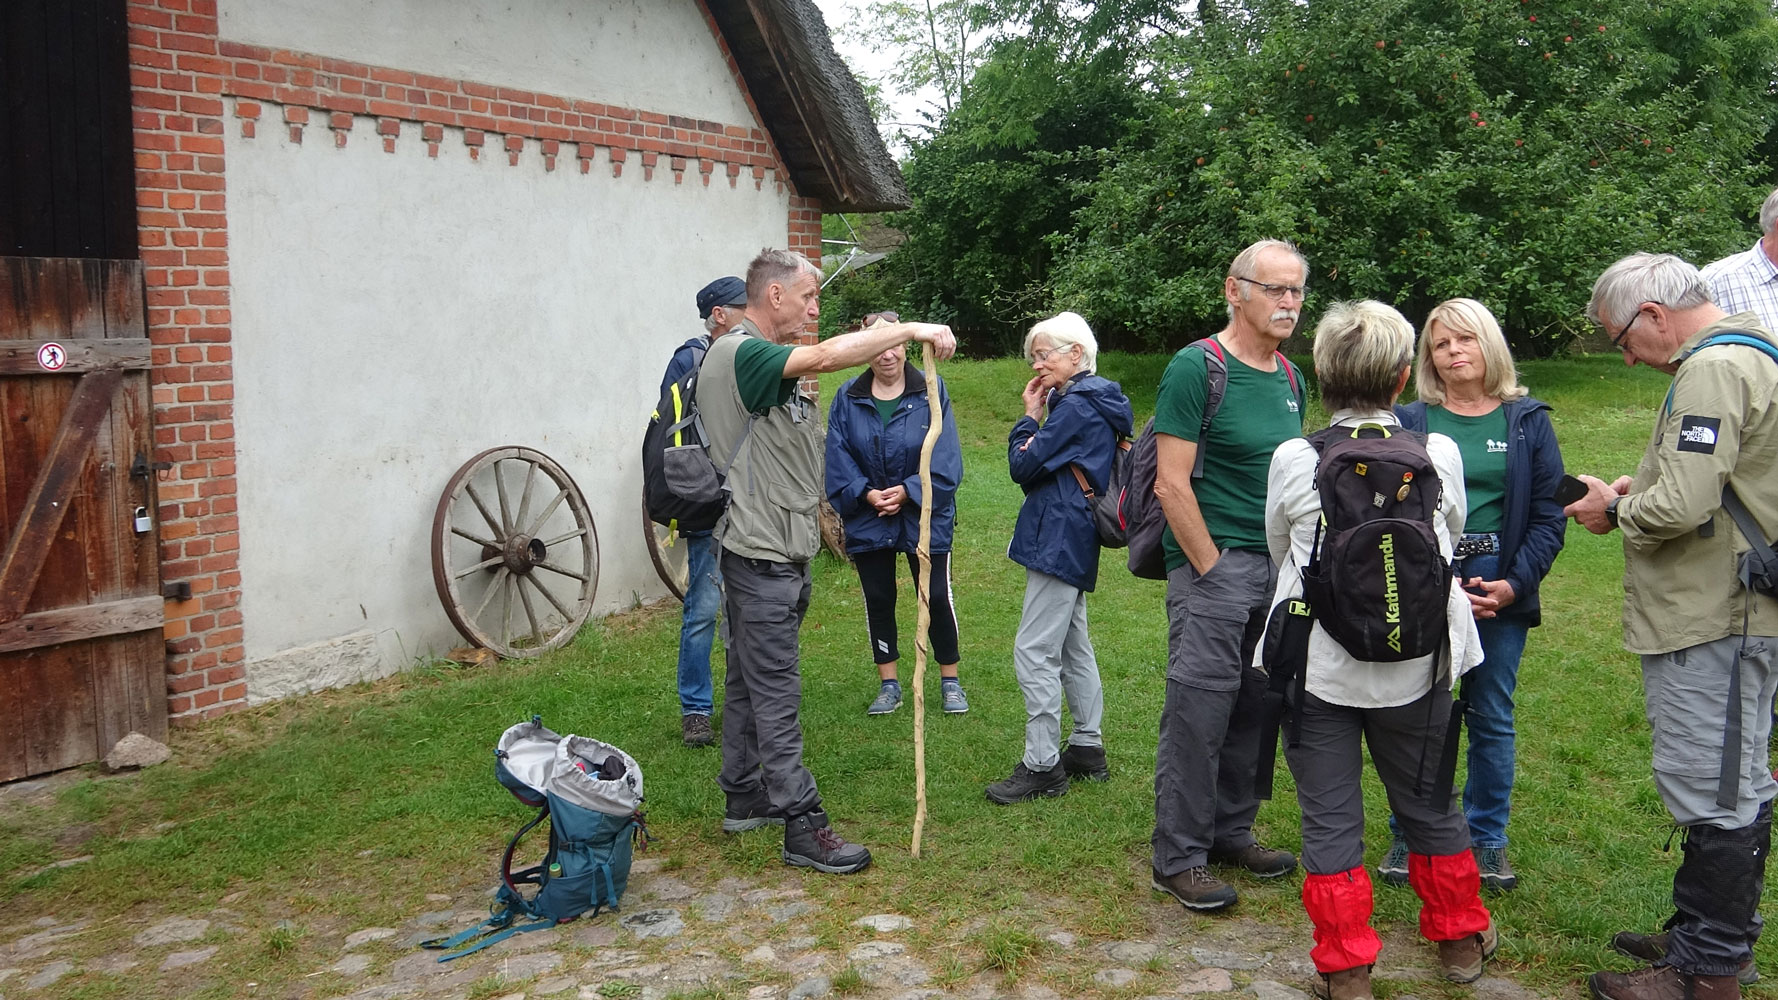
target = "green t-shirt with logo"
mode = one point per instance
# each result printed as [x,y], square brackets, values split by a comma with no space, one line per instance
[1482,440]
[1259,412]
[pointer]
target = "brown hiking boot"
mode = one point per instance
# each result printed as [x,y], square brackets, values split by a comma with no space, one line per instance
[1258,859]
[1651,948]
[1347,984]
[1196,889]
[695,730]
[1462,960]
[1663,982]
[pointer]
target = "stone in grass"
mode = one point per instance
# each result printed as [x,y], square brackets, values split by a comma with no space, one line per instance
[1115,978]
[1267,989]
[871,951]
[1061,939]
[6,974]
[528,966]
[1496,988]
[1207,981]
[181,959]
[1131,952]
[808,989]
[715,907]
[762,955]
[136,750]
[550,987]
[788,911]
[368,935]
[51,972]
[884,923]
[352,965]
[1245,961]
[653,923]
[172,931]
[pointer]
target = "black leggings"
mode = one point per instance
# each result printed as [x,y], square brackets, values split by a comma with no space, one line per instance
[876,575]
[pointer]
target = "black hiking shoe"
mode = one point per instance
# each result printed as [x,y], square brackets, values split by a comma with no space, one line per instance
[750,811]
[1197,889]
[810,843]
[1025,783]
[1651,948]
[695,730]
[1085,762]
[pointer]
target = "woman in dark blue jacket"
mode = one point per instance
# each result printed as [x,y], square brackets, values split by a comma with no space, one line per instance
[1469,391]
[875,429]
[1057,543]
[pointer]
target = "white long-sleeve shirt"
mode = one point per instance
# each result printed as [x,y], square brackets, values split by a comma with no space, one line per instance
[1292,509]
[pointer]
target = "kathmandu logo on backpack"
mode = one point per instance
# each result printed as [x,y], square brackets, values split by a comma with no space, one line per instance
[1391,593]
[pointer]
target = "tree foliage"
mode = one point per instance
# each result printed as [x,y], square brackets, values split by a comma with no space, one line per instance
[1113,157]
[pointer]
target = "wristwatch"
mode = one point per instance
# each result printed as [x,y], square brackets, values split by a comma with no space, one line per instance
[1611,510]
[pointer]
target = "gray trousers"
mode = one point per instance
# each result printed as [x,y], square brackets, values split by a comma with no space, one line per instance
[1210,722]
[762,737]
[1328,763]
[1716,891]
[1052,658]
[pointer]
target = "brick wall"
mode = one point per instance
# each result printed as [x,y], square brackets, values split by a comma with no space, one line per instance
[188,86]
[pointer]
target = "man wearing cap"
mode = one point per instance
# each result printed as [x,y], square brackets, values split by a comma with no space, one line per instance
[720,304]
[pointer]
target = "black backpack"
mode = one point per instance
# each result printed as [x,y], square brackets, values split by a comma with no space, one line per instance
[1135,508]
[1376,580]
[1108,508]
[680,485]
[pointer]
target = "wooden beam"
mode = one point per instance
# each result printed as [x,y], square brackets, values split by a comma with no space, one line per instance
[19,357]
[54,488]
[89,621]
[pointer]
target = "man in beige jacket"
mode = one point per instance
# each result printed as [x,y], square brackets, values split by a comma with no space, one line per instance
[1706,639]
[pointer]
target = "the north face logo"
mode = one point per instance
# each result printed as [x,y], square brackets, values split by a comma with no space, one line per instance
[1698,435]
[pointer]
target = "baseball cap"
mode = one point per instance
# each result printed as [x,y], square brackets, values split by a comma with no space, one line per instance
[729,291]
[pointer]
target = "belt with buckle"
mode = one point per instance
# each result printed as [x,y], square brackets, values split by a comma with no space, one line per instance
[1476,545]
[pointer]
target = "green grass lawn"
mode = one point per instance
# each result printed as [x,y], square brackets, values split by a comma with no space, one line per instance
[351,805]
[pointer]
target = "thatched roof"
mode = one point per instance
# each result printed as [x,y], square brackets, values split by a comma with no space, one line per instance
[811,104]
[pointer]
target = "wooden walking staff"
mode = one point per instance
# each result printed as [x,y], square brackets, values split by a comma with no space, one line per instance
[923,624]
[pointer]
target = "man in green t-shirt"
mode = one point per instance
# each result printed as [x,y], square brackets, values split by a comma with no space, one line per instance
[765,435]
[1219,580]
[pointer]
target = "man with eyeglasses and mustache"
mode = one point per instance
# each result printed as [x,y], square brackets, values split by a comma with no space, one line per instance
[1707,635]
[1220,577]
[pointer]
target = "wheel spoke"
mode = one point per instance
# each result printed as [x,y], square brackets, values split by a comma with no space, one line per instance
[566,615]
[553,568]
[547,511]
[469,488]
[483,542]
[576,533]
[499,579]
[484,564]
[525,498]
[505,505]
[506,614]
[530,614]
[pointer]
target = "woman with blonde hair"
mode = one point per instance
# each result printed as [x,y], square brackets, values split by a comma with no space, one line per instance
[1469,391]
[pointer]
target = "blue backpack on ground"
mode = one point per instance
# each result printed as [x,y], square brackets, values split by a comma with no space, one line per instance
[591,794]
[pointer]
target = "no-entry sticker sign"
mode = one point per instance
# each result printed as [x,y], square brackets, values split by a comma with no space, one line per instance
[52,356]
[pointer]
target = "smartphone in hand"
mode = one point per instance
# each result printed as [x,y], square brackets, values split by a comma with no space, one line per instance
[1569,490]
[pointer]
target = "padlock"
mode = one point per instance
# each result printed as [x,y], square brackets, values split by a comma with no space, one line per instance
[143,522]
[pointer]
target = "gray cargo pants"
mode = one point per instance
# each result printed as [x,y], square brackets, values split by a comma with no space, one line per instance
[762,736]
[1210,722]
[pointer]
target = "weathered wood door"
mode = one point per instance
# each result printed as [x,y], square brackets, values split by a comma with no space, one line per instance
[82,661]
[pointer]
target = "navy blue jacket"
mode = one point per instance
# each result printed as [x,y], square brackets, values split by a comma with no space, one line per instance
[683,356]
[864,455]
[1532,527]
[1055,533]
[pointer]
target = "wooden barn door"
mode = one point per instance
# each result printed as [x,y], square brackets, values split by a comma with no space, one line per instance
[82,661]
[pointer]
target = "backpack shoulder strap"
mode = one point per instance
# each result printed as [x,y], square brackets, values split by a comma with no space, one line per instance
[1729,337]
[1296,379]
[1216,384]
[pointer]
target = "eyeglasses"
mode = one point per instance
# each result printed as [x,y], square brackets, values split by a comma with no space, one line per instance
[1277,292]
[1047,353]
[1617,341]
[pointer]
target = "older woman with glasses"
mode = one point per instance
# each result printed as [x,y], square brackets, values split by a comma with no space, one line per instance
[1062,447]
[1469,391]
[875,430]
[1400,710]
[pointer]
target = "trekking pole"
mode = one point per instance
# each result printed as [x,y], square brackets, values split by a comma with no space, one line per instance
[923,624]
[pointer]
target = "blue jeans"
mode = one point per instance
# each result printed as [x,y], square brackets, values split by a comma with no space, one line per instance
[1487,794]
[703,593]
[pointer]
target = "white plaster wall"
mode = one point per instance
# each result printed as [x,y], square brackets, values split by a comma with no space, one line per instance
[657,55]
[396,314]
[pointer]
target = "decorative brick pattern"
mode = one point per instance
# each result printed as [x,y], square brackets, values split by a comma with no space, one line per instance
[184,79]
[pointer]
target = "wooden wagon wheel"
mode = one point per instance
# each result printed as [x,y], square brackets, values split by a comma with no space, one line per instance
[668,553]
[503,548]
